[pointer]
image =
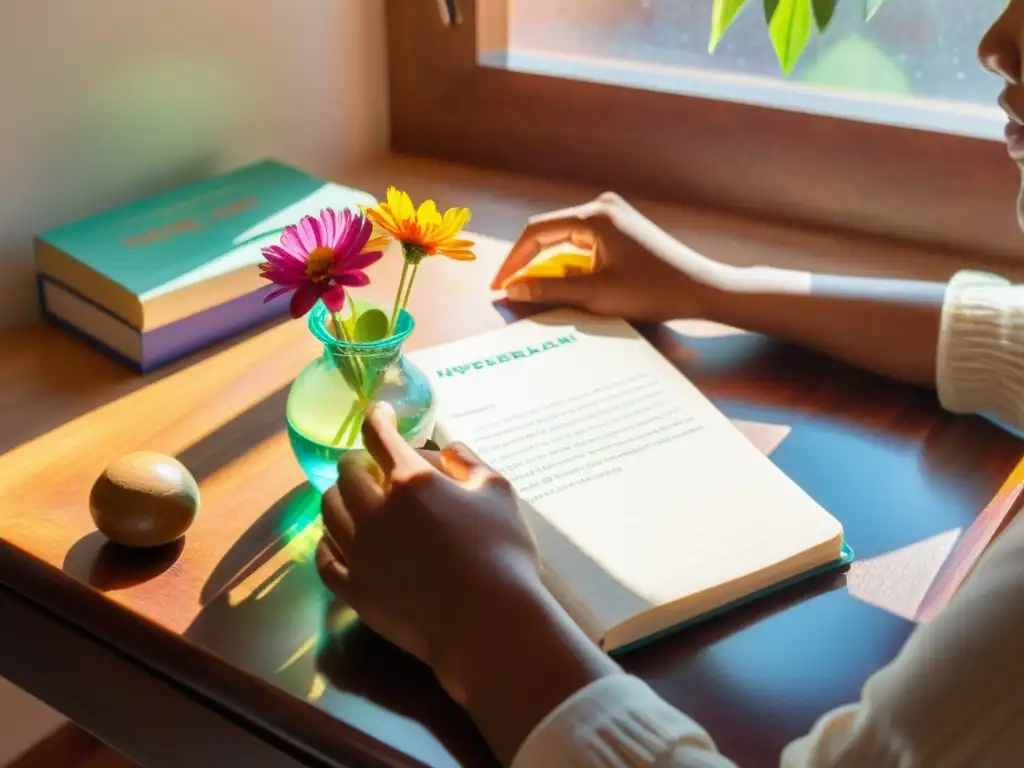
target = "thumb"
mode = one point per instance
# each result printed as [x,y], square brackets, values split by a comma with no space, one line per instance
[578,290]
[387,446]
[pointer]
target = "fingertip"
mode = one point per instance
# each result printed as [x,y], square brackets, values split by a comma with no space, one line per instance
[380,415]
[385,443]
[521,290]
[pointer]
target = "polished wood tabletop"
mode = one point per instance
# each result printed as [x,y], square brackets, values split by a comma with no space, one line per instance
[235,614]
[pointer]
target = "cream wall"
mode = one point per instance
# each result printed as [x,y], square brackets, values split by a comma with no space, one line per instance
[105,100]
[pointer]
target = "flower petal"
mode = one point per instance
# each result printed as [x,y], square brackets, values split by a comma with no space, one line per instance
[274,294]
[334,298]
[363,229]
[328,223]
[282,259]
[282,278]
[291,241]
[304,299]
[459,255]
[353,279]
[359,261]
[402,208]
[382,217]
[347,239]
[393,199]
[309,233]
[344,223]
[454,220]
[377,242]
[427,215]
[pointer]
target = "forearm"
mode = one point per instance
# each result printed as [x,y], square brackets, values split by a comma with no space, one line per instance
[887,326]
[521,663]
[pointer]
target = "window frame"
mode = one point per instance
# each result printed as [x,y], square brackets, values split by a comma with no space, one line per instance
[941,190]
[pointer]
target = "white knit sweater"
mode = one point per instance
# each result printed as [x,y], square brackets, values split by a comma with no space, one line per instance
[955,694]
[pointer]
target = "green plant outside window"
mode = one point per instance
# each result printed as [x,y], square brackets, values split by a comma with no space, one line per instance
[790,23]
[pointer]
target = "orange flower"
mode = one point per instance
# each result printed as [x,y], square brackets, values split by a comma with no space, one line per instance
[423,228]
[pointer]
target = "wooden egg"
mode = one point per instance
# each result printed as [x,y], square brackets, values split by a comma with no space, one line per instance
[144,499]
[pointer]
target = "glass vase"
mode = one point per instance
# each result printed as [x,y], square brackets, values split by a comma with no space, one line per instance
[327,401]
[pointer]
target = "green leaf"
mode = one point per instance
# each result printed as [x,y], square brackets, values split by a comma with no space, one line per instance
[372,325]
[871,7]
[353,309]
[723,14]
[789,26]
[823,12]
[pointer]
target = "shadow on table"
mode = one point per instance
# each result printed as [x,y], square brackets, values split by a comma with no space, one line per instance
[359,662]
[263,543]
[104,565]
[108,380]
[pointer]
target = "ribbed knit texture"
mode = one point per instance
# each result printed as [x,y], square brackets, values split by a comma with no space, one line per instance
[980,365]
[615,722]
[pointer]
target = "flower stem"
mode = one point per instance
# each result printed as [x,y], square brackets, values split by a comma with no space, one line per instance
[408,287]
[339,327]
[352,411]
[413,255]
[352,371]
[398,297]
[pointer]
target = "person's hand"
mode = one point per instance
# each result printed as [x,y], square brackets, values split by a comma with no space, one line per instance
[641,272]
[422,544]
[432,553]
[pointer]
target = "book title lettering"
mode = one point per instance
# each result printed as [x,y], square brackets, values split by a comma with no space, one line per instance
[190,223]
[505,357]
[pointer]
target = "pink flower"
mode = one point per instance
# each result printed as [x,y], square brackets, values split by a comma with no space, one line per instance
[319,258]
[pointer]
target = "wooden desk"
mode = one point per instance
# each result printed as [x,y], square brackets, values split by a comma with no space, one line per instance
[235,620]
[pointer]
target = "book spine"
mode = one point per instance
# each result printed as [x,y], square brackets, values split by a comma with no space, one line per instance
[175,340]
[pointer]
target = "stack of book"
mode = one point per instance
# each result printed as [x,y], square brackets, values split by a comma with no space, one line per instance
[165,276]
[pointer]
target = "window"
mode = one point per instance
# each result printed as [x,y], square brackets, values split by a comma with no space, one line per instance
[622,94]
[918,56]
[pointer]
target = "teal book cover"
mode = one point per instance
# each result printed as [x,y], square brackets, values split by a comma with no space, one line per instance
[147,244]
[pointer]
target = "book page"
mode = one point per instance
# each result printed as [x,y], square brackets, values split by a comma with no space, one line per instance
[639,490]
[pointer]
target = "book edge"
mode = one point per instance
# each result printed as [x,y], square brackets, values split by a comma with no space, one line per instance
[846,557]
[77,276]
[172,352]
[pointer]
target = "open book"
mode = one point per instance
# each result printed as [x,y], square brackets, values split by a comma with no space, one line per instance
[649,507]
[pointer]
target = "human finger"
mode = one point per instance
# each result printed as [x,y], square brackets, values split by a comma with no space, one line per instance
[361,484]
[337,520]
[387,446]
[569,225]
[332,572]
[577,290]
